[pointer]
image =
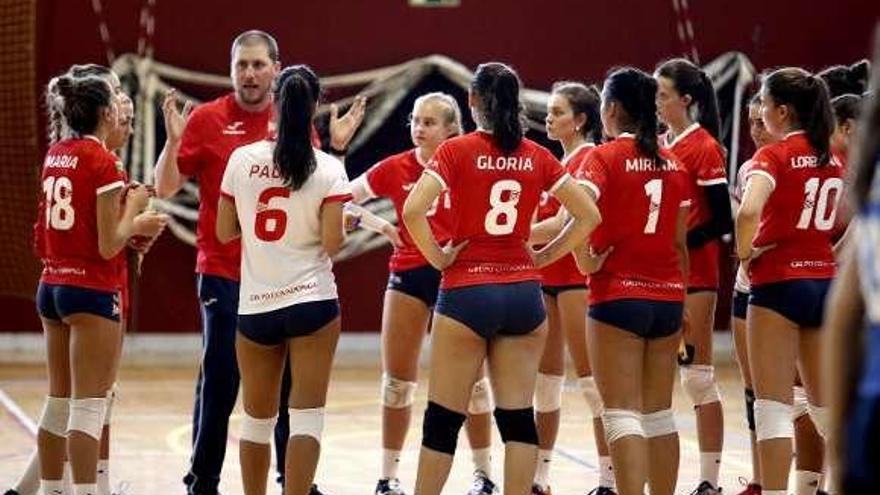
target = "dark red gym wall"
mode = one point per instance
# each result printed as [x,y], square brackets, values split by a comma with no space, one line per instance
[545,40]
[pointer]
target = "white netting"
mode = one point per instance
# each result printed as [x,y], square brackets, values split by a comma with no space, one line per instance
[385,87]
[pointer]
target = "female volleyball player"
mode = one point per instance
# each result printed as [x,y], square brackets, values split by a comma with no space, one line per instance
[686,103]
[489,307]
[80,230]
[785,243]
[412,291]
[637,294]
[573,120]
[284,198]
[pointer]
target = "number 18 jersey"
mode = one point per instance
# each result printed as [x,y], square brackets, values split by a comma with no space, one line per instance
[493,198]
[283,262]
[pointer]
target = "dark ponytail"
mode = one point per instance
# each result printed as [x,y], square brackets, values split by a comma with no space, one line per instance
[82,100]
[846,107]
[55,103]
[807,96]
[635,92]
[496,87]
[585,100]
[296,95]
[842,79]
[689,79]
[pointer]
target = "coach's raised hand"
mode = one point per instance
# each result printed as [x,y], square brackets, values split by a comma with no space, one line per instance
[175,119]
[342,129]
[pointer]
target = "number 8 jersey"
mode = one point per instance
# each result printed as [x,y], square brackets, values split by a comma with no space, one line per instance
[800,213]
[283,262]
[75,173]
[493,197]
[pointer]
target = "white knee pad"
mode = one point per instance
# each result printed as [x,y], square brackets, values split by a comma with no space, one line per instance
[773,420]
[659,423]
[396,393]
[481,398]
[591,394]
[620,423]
[307,422]
[56,410]
[698,382]
[800,406]
[819,415]
[111,398]
[87,416]
[257,430]
[548,392]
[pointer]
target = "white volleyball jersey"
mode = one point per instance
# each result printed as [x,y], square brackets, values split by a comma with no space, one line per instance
[282,262]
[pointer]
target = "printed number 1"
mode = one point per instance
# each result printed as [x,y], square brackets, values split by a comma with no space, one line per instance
[654,191]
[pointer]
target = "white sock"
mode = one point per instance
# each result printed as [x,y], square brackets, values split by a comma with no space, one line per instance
[542,471]
[606,472]
[825,479]
[806,482]
[29,483]
[103,477]
[390,463]
[772,492]
[483,461]
[52,487]
[68,478]
[85,489]
[710,464]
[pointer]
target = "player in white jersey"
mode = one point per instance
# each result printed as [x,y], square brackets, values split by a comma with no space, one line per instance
[284,198]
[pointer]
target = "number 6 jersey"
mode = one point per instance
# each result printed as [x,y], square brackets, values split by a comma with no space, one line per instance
[799,215]
[493,198]
[283,262]
[75,173]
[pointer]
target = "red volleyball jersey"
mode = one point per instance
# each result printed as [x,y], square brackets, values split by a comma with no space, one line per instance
[703,158]
[75,173]
[214,130]
[639,202]
[393,178]
[799,216]
[494,196]
[564,272]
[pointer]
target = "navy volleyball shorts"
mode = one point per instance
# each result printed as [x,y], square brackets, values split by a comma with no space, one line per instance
[646,318]
[423,283]
[495,309]
[57,302]
[801,301]
[298,320]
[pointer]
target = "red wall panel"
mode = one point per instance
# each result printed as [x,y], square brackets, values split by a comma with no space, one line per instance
[545,40]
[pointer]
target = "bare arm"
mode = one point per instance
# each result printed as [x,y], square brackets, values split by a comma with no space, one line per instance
[585,217]
[545,230]
[227,226]
[758,190]
[115,228]
[415,212]
[168,178]
[332,232]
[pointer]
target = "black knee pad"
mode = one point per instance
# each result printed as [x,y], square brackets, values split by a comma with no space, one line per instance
[750,408]
[440,428]
[517,425]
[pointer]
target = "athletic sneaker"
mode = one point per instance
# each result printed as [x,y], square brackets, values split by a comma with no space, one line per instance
[820,492]
[389,486]
[752,489]
[602,490]
[482,485]
[121,488]
[11,492]
[706,488]
[536,490]
[314,490]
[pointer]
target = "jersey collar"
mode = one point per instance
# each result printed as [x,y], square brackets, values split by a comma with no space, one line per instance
[588,144]
[794,133]
[691,128]
[626,135]
[95,139]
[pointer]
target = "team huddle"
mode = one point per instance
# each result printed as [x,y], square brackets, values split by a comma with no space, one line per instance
[507,253]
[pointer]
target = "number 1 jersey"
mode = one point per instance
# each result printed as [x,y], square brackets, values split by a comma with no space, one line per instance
[493,199]
[639,200]
[283,262]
